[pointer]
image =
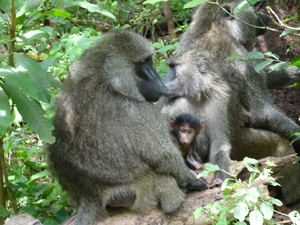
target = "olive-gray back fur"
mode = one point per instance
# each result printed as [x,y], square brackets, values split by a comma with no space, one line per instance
[110,142]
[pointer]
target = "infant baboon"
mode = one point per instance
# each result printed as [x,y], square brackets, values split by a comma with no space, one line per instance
[112,144]
[184,129]
[217,35]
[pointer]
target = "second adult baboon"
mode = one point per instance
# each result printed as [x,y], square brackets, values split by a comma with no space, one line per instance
[112,144]
[191,84]
[217,32]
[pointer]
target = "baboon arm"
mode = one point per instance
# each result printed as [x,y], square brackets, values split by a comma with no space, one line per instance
[283,77]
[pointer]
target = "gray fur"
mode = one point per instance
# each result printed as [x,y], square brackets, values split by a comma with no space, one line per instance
[256,127]
[111,144]
[195,88]
[22,219]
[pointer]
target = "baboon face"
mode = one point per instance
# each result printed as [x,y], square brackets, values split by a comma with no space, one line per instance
[134,58]
[188,66]
[185,127]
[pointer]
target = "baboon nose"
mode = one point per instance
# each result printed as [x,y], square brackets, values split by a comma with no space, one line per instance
[263,22]
[265,18]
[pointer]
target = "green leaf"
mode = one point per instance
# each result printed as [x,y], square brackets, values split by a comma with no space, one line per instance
[227,187]
[3,212]
[278,66]
[276,202]
[286,32]
[38,76]
[91,8]
[29,4]
[256,55]
[250,161]
[4,6]
[244,5]
[197,212]
[295,217]
[240,211]
[262,65]
[32,113]
[58,3]
[152,2]
[296,62]
[38,175]
[20,80]
[222,220]
[256,218]
[270,54]
[251,178]
[216,208]
[194,3]
[57,12]
[267,210]
[233,56]
[33,35]
[166,48]
[4,113]
[252,195]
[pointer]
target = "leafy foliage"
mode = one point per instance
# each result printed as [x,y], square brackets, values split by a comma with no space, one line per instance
[243,202]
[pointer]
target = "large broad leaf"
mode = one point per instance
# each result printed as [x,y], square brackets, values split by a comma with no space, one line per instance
[32,113]
[152,2]
[4,113]
[33,35]
[263,64]
[256,55]
[194,3]
[20,80]
[267,210]
[36,74]
[296,61]
[90,7]
[240,211]
[29,4]
[244,5]
[256,218]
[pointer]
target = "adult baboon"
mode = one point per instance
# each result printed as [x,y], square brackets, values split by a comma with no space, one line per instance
[112,144]
[192,83]
[256,128]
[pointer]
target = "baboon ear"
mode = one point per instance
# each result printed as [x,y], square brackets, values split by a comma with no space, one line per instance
[126,87]
[226,12]
[172,123]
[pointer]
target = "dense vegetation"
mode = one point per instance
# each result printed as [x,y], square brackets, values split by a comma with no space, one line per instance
[39,41]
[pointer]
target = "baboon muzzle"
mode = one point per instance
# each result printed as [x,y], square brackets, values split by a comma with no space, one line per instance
[263,22]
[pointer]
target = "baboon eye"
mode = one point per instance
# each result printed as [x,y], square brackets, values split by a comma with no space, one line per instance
[226,12]
[148,60]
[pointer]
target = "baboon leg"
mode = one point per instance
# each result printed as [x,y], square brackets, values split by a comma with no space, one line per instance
[154,188]
[145,193]
[260,144]
[168,202]
[89,213]
[220,157]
